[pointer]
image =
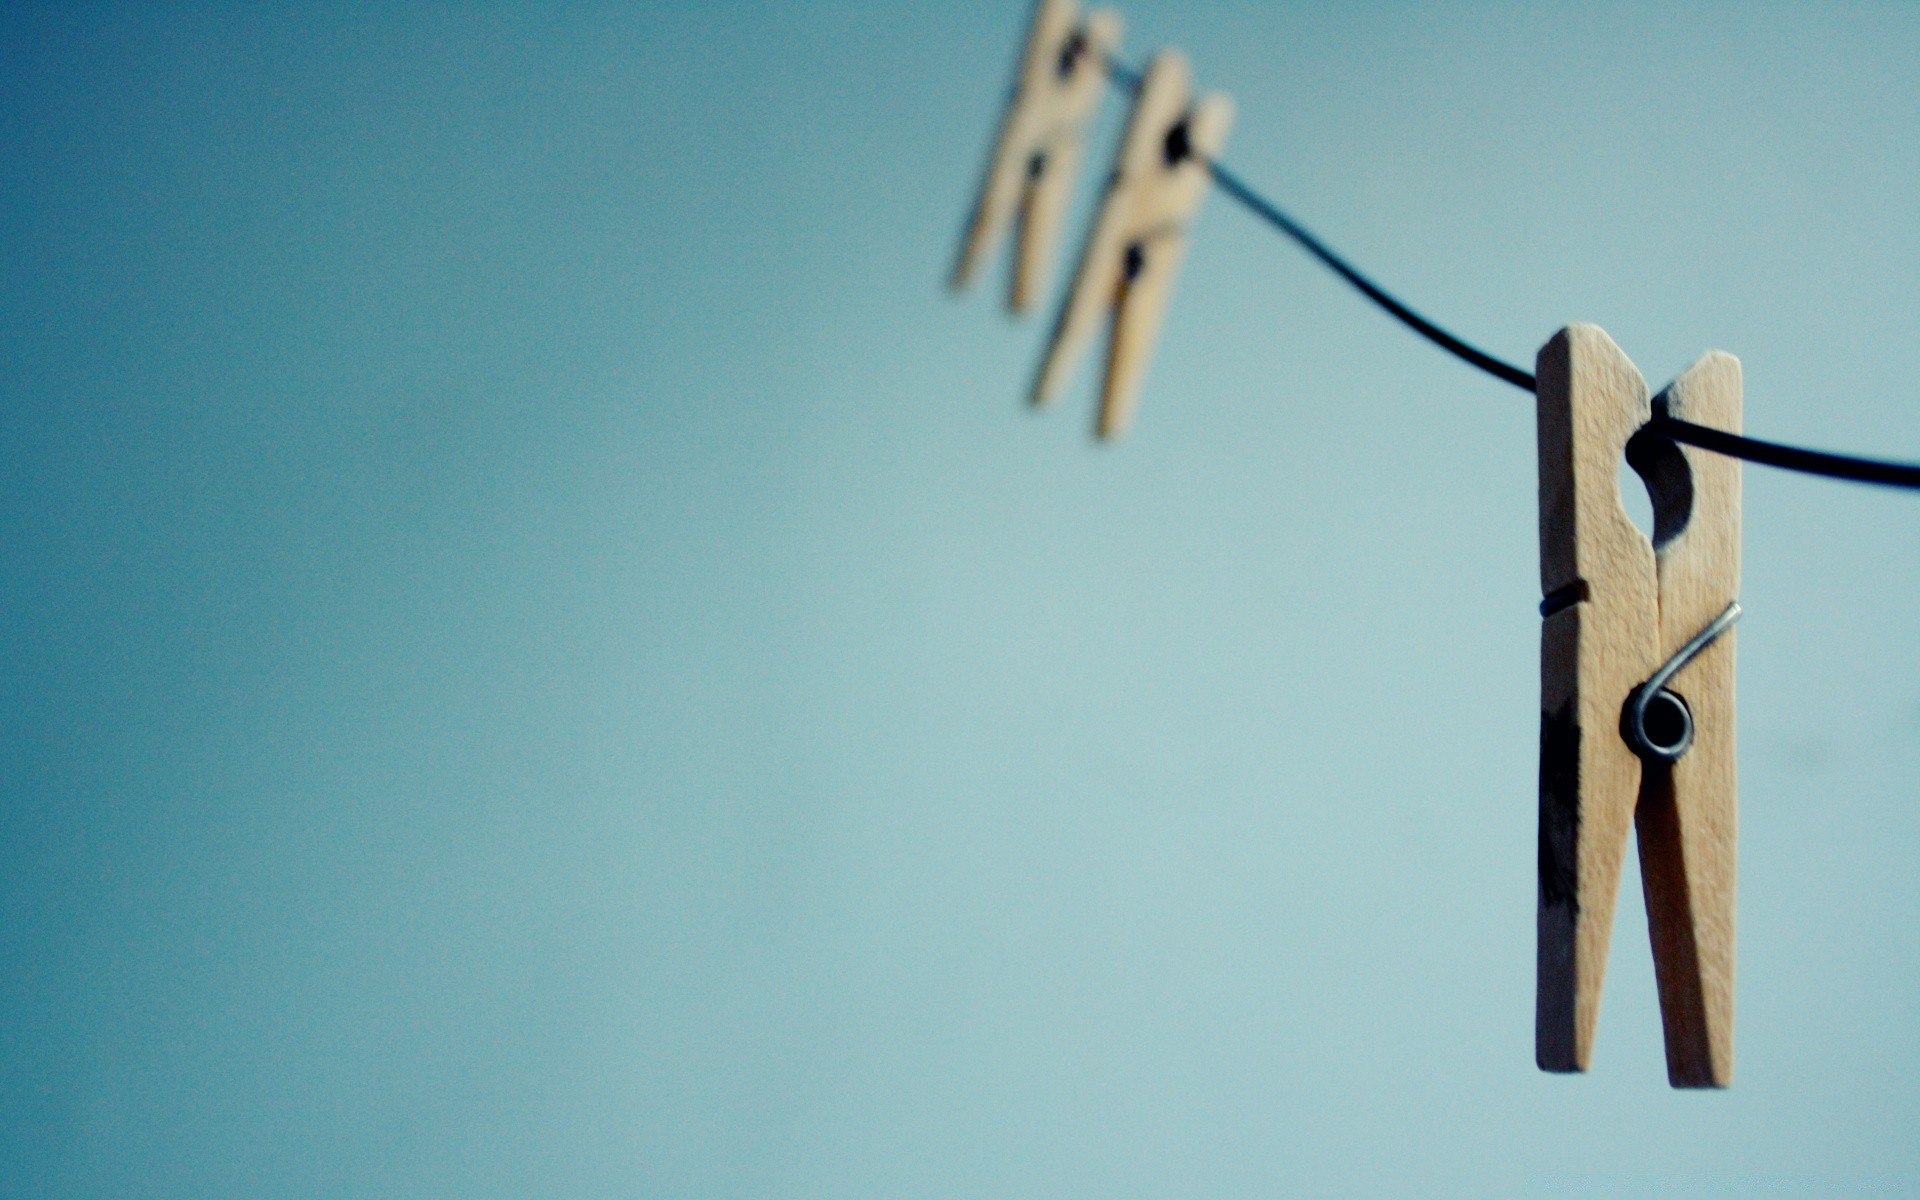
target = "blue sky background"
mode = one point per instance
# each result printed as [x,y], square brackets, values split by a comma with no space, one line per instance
[539,655]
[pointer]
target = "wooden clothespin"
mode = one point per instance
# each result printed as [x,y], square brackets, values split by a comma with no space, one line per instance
[1137,241]
[1030,173]
[1636,698]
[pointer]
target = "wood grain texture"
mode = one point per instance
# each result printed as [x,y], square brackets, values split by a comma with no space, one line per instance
[1029,174]
[1134,249]
[1617,608]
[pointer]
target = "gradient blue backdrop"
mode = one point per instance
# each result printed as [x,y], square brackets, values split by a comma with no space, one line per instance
[540,657]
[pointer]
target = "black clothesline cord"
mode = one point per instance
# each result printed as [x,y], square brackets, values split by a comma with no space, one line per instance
[1791,458]
[1718,441]
[1270,212]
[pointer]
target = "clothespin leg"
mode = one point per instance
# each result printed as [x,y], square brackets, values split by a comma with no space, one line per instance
[1597,643]
[1137,314]
[1688,814]
[1092,294]
[995,205]
[1043,210]
[1152,262]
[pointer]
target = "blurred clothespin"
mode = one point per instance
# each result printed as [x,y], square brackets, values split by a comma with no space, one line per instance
[1030,173]
[1637,705]
[1139,236]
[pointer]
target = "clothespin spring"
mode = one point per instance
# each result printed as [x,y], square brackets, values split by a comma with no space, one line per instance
[1657,723]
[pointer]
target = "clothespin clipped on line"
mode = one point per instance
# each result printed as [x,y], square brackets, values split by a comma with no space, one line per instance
[1636,698]
[1139,236]
[1029,175]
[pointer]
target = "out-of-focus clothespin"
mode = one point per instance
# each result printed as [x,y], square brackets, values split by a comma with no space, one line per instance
[1029,175]
[1139,236]
[1636,698]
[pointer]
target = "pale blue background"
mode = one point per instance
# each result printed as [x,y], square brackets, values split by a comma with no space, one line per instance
[540,656]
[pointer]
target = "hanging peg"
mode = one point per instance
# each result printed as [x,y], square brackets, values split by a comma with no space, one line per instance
[1139,236]
[1636,698]
[1030,173]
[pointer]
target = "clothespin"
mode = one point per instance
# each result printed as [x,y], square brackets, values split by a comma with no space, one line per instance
[1030,173]
[1139,236]
[1636,698]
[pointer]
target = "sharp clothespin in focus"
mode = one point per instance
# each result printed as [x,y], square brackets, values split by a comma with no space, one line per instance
[1636,698]
[1139,236]
[1030,174]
